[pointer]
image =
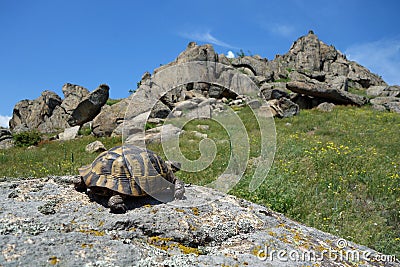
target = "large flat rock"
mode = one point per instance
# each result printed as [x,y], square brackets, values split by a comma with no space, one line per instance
[45,222]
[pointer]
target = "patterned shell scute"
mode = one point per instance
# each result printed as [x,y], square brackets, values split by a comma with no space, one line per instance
[128,170]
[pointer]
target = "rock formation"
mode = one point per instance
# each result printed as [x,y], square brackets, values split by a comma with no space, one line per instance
[6,138]
[49,113]
[309,74]
[30,114]
[46,222]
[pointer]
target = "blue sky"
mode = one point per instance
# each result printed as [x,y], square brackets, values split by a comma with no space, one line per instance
[46,43]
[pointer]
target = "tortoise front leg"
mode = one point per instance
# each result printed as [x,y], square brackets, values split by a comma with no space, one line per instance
[179,189]
[116,204]
[79,184]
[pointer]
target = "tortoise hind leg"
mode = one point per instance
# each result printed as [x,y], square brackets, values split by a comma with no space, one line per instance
[116,204]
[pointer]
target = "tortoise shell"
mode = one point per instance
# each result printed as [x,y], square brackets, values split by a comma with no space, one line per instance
[128,170]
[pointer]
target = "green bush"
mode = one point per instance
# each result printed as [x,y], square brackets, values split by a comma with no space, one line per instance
[31,138]
[111,101]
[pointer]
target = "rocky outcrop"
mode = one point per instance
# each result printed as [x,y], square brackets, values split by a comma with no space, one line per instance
[49,113]
[317,60]
[108,119]
[30,114]
[320,90]
[384,91]
[310,73]
[207,228]
[6,138]
[389,103]
[73,95]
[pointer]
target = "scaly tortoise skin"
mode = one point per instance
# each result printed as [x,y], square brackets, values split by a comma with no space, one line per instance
[128,171]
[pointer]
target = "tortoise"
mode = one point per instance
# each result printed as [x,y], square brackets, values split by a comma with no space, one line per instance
[129,171]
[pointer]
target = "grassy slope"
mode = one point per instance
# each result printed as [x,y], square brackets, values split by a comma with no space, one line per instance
[338,171]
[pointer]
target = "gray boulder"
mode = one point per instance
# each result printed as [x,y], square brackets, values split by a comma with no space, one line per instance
[88,107]
[132,126]
[57,121]
[375,90]
[273,91]
[155,135]
[73,95]
[109,118]
[283,107]
[384,91]
[254,66]
[32,113]
[160,110]
[95,147]
[207,228]
[321,90]
[6,139]
[386,103]
[326,107]
[69,133]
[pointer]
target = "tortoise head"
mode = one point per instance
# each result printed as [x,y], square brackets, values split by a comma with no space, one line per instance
[173,165]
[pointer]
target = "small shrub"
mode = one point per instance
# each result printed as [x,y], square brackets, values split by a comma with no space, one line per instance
[283,80]
[85,131]
[24,139]
[111,102]
[240,54]
[150,125]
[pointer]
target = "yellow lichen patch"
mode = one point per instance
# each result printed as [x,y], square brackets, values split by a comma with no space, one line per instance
[195,211]
[179,210]
[84,245]
[320,248]
[147,206]
[272,233]
[298,238]
[53,260]
[255,251]
[101,223]
[92,232]
[305,246]
[132,229]
[187,250]
[160,242]
[167,243]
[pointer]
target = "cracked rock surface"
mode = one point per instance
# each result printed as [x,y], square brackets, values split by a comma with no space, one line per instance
[45,222]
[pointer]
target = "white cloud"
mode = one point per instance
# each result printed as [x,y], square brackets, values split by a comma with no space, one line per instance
[283,30]
[230,54]
[381,57]
[4,120]
[206,37]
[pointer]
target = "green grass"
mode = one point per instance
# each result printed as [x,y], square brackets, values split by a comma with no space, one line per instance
[338,171]
[360,92]
[49,158]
